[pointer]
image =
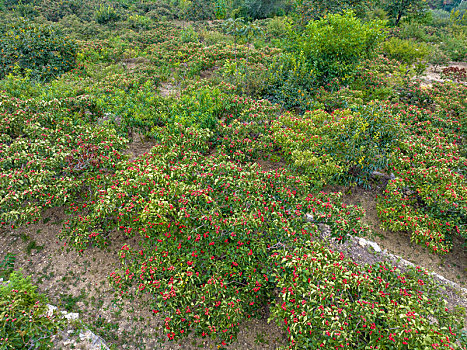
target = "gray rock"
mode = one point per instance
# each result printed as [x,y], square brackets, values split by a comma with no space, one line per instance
[363,242]
[70,315]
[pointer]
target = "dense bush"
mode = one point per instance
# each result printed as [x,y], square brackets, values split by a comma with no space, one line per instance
[327,301]
[438,58]
[47,157]
[208,226]
[139,22]
[40,49]
[106,14]
[406,51]
[55,10]
[290,82]
[335,44]
[455,46]
[376,79]
[278,27]
[428,196]
[309,10]
[343,147]
[24,319]
[325,54]
[397,10]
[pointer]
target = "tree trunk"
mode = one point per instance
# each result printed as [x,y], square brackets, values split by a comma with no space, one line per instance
[399,16]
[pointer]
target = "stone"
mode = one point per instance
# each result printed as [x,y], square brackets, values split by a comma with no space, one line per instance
[70,315]
[309,218]
[363,242]
[51,310]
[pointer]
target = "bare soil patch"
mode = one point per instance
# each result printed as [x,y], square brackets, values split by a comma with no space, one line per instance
[167,89]
[139,146]
[132,63]
[267,165]
[207,74]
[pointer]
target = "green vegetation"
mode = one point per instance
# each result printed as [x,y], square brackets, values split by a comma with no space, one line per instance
[39,50]
[24,322]
[249,114]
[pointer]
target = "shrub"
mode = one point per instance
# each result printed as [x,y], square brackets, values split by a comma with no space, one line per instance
[24,322]
[249,79]
[7,265]
[139,22]
[454,73]
[208,227]
[290,82]
[188,35]
[214,37]
[48,156]
[343,147]
[13,3]
[327,301]
[411,93]
[257,9]
[459,15]
[106,14]
[279,27]
[336,44]
[413,9]
[20,86]
[406,51]
[376,78]
[162,11]
[56,10]
[198,10]
[437,58]
[201,108]
[38,48]
[308,10]
[455,46]
[428,196]
[414,31]
[325,54]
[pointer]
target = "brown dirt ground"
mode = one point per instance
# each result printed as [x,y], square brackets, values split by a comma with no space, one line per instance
[168,89]
[132,63]
[139,146]
[267,165]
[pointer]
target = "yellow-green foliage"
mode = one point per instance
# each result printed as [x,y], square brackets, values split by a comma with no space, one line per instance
[406,51]
[343,146]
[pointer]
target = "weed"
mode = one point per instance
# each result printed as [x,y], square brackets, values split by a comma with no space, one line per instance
[32,245]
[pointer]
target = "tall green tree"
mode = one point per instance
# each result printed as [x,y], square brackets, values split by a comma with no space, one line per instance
[308,10]
[396,9]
